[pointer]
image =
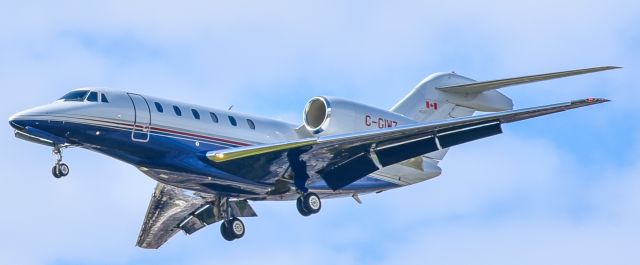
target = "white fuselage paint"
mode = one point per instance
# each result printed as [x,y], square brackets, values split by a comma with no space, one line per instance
[119,113]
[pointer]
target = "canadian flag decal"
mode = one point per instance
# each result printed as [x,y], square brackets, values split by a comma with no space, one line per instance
[431,105]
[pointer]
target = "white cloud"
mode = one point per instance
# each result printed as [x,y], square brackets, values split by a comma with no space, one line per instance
[506,199]
[510,200]
[522,241]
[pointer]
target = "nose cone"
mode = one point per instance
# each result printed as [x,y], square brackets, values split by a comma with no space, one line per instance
[17,122]
[26,117]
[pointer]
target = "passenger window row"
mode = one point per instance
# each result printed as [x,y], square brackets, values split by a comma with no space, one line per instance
[196,115]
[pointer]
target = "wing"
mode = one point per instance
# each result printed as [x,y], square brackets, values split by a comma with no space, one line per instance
[172,209]
[477,87]
[343,159]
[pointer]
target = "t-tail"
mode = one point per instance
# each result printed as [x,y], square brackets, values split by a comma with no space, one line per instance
[449,95]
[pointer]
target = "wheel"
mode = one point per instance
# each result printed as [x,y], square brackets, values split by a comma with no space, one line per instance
[311,202]
[237,228]
[301,209]
[232,229]
[55,172]
[63,169]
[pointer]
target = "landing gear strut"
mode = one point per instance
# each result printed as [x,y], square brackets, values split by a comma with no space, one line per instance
[308,203]
[59,169]
[231,228]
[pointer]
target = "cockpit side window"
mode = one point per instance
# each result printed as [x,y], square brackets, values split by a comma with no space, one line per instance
[77,95]
[93,97]
[103,98]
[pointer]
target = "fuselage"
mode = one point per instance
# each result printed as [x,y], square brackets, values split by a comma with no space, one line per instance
[168,140]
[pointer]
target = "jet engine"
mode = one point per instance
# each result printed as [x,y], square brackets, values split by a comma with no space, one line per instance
[330,115]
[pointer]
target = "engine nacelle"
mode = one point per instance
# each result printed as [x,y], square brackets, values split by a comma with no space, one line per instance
[330,115]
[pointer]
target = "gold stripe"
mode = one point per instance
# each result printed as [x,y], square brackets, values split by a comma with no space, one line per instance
[235,153]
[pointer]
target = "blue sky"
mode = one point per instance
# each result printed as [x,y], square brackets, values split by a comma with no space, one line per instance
[558,189]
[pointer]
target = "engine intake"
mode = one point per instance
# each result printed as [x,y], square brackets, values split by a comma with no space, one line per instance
[330,115]
[316,113]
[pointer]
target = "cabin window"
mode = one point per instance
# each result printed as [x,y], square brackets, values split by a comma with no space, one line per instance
[103,98]
[251,124]
[158,107]
[233,121]
[177,110]
[195,113]
[93,97]
[77,95]
[214,117]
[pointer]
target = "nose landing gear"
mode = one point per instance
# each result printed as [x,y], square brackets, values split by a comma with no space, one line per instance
[60,169]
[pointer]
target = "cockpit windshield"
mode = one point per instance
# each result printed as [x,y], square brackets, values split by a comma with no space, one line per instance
[77,95]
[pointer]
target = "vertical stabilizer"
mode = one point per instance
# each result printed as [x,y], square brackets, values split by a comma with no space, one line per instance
[443,96]
[427,103]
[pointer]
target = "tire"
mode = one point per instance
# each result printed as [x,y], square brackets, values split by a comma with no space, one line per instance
[54,172]
[301,209]
[225,231]
[311,202]
[63,169]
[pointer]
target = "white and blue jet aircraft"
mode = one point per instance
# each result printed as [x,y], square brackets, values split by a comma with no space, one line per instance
[210,163]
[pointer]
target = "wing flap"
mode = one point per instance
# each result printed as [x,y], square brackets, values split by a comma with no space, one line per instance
[345,173]
[168,207]
[437,140]
[465,135]
[478,87]
[172,209]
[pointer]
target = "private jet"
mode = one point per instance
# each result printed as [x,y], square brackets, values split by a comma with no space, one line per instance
[209,163]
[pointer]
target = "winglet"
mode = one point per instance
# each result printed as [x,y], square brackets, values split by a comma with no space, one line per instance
[478,87]
[589,101]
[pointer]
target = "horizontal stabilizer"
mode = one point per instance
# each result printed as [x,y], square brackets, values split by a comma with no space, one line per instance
[478,87]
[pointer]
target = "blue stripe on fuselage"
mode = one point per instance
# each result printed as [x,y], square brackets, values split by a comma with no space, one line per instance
[180,153]
[162,151]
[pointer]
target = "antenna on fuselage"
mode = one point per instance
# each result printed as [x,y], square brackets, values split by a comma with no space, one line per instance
[230,107]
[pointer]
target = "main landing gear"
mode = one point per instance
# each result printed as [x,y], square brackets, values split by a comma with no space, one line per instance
[59,169]
[232,227]
[308,203]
